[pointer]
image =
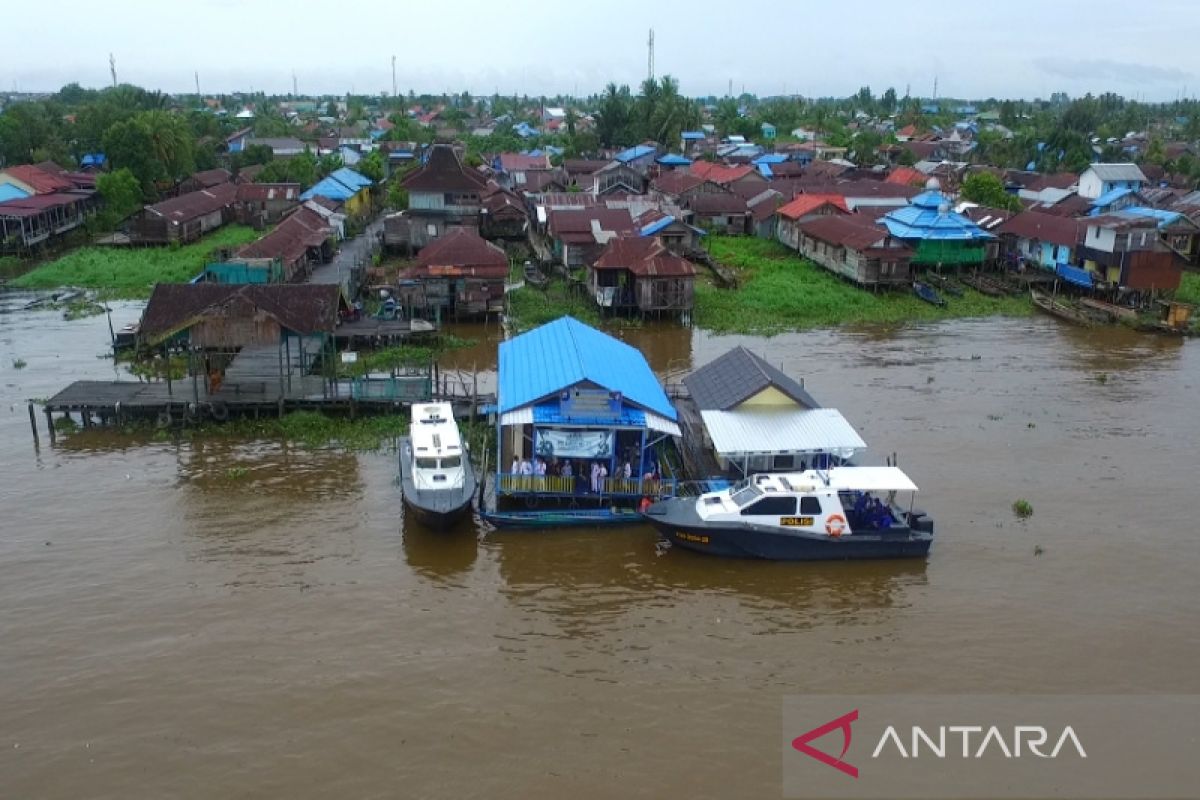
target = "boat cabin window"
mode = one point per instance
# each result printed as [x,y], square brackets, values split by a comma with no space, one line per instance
[772,507]
[810,506]
[426,463]
[451,462]
[744,492]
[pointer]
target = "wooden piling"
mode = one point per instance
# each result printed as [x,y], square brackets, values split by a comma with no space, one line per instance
[33,423]
[50,423]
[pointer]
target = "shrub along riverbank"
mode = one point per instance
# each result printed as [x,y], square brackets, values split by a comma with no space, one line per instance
[1189,290]
[129,272]
[778,292]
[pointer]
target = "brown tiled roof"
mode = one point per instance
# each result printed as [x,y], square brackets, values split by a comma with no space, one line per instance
[1045,228]
[538,180]
[291,239]
[676,182]
[520,162]
[764,204]
[462,252]
[212,177]
[39,180]
[787,169]
[806,204]
[1071,206]
[906,176]
[301,308]
[719,173]
[444,172]
[194,205]
[644,256]
[717,203]
[852,231]
[579,221]
[260,192]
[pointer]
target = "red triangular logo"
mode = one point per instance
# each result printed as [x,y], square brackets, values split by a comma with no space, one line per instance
[842,723]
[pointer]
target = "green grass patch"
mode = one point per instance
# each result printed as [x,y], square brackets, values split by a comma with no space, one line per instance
[530,307]
[130,272]
[1189,289]
[779,291]
[11,266]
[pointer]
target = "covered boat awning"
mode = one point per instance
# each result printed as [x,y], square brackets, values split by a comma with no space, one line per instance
[1075,275]
[736,434]
[870,479]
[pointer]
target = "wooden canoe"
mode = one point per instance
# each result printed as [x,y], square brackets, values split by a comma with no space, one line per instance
[1062,310]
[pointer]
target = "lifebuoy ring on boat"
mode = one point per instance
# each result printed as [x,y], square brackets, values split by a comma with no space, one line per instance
[835,525]
[219,411]
[644,505]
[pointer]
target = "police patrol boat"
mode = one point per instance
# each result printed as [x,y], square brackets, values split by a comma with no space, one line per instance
[435,468]
[842,513]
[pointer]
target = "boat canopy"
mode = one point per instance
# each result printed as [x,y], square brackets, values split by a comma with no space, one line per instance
[870,479]
[745,432]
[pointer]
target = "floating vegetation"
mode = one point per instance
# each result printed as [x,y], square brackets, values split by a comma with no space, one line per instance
[1023,509]
[65,425]
[779,291]
[133,272]
[1038,550]
[1101,377]
[19,363]
[236,473]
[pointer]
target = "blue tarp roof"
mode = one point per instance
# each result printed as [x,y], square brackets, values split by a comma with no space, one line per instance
[929,217]
[634,153]
[330,187]
[92,160]
[771,158]
[355,180]
[658,225]
[672,160]
[1111,196]
[1075,275]
[544,361]
[692,136]
[10,192]
[1163,216]
[764,169]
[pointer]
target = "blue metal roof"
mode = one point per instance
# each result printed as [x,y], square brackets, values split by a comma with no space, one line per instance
[92,160]
[929,217]
[355,180]
[634,153]
[1163,216]
[330,187]
[1111,196]
[672,160]
[692,136]
[771,158]
[560,354]
[764,169]
[656,226]
[10,192]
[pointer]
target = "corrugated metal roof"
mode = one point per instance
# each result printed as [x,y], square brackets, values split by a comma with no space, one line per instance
[748,432]
[563,353]
[673,160]
[355,180]
[1111,196]
[634,153]
[332,188]
[929,218]
[10,192]
[737,376]
[1118,172]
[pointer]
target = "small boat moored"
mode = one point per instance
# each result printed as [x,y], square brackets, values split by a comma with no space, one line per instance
[926,293]
[1061,309]
[435,468]
[842,514]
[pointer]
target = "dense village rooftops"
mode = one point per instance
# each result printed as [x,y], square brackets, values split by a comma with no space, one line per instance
[737,376]
[708,203]
[262,192]
[212,177]
[634,153]
[36,204]
[444,172]
[676,182]
[519,162]
[292,238]
[583,166]
[1121,221]
[194,205]
[1045,228]
[644,256]
[583,223]
[906,176]
[808,203]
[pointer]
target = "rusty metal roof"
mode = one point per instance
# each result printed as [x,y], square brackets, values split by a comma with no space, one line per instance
[194,205]
[41,181]
[300,308]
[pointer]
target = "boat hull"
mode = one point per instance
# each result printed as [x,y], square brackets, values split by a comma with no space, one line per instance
[437,509]
[566,518]
[676,522]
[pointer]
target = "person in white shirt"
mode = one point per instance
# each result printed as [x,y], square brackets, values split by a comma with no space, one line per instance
[526,467]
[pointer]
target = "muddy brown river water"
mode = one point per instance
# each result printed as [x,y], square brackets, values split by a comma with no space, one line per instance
[169,628]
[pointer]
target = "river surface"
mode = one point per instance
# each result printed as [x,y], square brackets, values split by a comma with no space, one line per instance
[249,619]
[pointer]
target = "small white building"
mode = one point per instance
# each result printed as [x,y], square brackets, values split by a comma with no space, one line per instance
[1100,179]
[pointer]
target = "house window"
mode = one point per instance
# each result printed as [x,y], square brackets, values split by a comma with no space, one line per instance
[431,231]
[771,507]
[810,506]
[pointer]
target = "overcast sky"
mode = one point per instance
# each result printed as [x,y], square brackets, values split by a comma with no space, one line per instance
[1001,48]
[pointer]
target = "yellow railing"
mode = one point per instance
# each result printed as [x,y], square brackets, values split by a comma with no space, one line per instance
[556,484]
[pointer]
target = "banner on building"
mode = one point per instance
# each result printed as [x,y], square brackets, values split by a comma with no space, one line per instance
[553,443]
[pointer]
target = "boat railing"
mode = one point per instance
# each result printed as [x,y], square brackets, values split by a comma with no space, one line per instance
[567,485]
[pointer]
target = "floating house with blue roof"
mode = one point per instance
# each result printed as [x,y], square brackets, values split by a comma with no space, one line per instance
[937,234]
[568,394]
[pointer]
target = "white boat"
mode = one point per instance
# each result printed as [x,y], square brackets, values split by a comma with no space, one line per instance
[435,468]
[842,513]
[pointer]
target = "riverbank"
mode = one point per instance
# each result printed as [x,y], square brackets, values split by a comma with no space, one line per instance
[778,292]
[130,273]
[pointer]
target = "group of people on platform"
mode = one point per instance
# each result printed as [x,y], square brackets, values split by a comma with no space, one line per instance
[582,477]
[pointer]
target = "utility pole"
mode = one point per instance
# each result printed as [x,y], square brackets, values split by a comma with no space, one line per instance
[393,76]
[295,90]
[729,93]
[197,73]
[112,67]
[650,57]
[935,88]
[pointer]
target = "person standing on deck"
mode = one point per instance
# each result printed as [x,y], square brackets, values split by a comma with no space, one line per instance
[596,477]
[516,465]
